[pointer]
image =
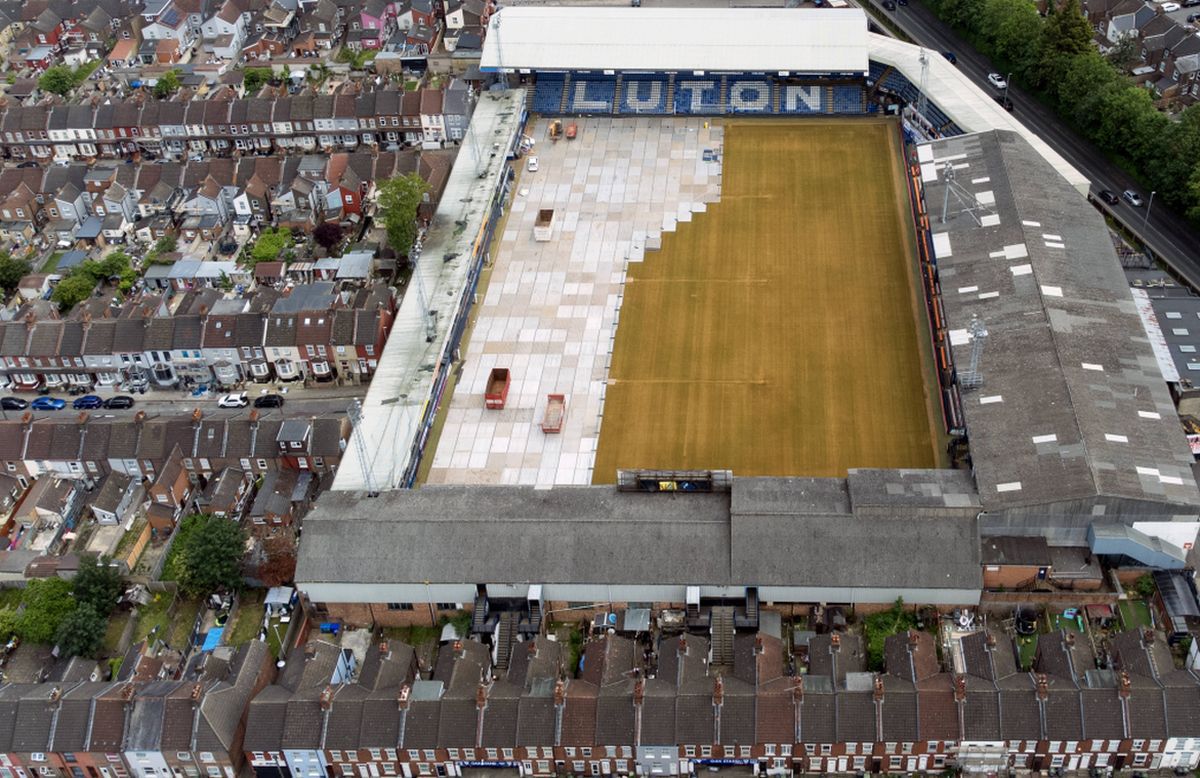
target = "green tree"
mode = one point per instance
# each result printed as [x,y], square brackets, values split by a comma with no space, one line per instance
[12,270]
[167,84]
[1067,30]
[1192,198]
[73,290]
[270,244]
[81,631]
[1013,27]
[98,584]
[47,603]
[57,79]
[8,623]
[327,235]
[254,78]
[399,199]
[1126,54]
[209,554]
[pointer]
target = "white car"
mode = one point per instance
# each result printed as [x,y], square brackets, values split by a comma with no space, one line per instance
[531,165]
[997,80]
[233,401]
[1169,7]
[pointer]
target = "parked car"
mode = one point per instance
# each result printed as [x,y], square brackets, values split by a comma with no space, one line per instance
[950,57]
[48,404]
[119,402]
[13,404]
[997,80]
[238,400]
[87,403]
[889,5]
[1132,197]
[1005,102]
[531,164]
[269,401]
[1193,17]
[1170,7]
[1108,196]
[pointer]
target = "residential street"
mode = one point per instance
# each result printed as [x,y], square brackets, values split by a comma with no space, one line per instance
[1169,236]
[298,402]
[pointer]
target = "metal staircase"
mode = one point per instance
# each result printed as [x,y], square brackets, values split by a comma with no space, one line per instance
[617,88]
[670,93]
[721,635]
[506,635]
[566,95]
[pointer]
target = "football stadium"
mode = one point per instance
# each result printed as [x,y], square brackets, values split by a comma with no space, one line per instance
[751,305]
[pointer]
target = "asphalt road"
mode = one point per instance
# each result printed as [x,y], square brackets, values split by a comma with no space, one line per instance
[173,404]
[1166,233]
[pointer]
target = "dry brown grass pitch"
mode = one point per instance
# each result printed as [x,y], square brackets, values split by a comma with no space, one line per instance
[777,334]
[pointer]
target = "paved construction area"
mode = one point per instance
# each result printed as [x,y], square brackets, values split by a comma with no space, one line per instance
[550,310]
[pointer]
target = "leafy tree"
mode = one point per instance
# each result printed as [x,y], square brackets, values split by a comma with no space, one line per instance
[47,603]
[98,584]
[1067,30]
[167,84]
[1013,27]
[81,632]
[73,290]
[1193,195]
[8,623]
[166,244]
[399,199]
[327,235]
[254,78]
[270,244]
[209,554]
[12,270]
[1126,54]
[57,79]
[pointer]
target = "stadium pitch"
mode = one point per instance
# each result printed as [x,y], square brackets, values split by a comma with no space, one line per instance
[777,334]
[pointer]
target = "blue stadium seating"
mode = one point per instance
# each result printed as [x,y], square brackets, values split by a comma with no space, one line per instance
[847,98]
[592,93]
[749,94]
[643,93]
[802,98]
[698,94]
[547,93]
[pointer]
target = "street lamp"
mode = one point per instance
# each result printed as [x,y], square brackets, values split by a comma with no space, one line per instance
[1149,205]
[1007,81]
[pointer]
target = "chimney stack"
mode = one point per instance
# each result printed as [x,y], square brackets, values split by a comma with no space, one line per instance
[197,415]
[835,642]
[878,689]
[1148,638]
[991,641]
[82,418]
[197,689]
[960,688]
[759,647]
[718,691]
[914,638]
[139,417]
[481,697]
[127,693]
[798,689]
[327,698]
[1126,687]
[639,691]
[383,648]
[560,693]
[55,694]
[457,647]
[682,645]
[1043,687]
[402,697]
[532,648]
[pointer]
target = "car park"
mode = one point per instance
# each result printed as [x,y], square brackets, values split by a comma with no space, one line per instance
[997,80]
[13,404]
[1108,196]
[87,402]
[119,402]
[269,401]
[1132,197]
[238,400]
[48,404]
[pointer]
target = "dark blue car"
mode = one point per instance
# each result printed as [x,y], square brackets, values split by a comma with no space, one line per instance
[87,403]
[48,404]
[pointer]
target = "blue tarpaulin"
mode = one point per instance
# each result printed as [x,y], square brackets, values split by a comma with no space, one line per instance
[213,638]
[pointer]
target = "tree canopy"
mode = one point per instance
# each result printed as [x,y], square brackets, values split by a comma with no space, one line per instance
[98,584]
[85,277]
[254,78]
[270,244]
[399,199]
[167,84]
[12,270]
[47,603]
[81,632]
[208,554]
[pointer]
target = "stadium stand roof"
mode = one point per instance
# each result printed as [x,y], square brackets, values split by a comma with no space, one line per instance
[400,390]
[1073,405]
[768,531]
[970,107]
[677,39]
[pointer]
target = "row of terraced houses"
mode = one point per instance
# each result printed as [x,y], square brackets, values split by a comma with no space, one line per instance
[636,707]
[299,123]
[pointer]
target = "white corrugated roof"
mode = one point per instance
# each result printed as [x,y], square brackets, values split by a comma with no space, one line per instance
[677,39]
[964,102]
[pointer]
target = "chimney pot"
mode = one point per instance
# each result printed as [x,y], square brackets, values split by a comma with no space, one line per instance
[682,645]
[991,640]
[835,641]
[1069,639]
[878,689]
[560,693]
[718,691]
[127,693]
[914,638]
[1043,686]
[759,647]
[26,417]
[196,691]
[960,687]
[402,697]
[457,647]
[798,689]
[532,648]
[481,697]
[197,414]
[82,417]
[326,698]
[1148,637]
[56,694]
[639,692]
[383,647]
[1126,687]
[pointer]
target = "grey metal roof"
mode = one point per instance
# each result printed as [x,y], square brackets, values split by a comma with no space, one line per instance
[766,533]
[1072,404]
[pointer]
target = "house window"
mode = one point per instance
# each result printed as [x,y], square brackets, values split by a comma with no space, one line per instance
[401,606]
[1140,760]
[826,749]
[447,606]
[262,464]
[335,756]
[705,751]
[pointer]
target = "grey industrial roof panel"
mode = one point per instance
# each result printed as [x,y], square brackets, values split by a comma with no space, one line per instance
[1072,403]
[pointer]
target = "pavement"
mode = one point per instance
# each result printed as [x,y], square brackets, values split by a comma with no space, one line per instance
[298,401]
[1167,234]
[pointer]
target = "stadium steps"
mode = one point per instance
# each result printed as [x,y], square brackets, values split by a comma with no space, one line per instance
[722,635]
[566,95]
[776,97]
[879,81]
[723,98]
[670,93]
[828,99]
[864,101]
[529,90]
[617,89]
[506,635]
